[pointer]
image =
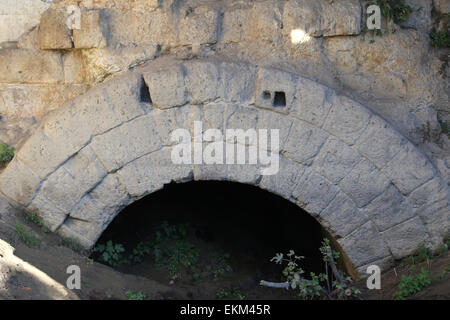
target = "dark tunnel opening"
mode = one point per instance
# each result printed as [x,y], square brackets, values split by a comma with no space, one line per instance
[242,222]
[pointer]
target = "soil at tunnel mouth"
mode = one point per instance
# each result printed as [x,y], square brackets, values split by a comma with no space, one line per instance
[231,231]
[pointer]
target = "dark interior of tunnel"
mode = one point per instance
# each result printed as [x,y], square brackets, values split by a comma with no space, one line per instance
[248,223]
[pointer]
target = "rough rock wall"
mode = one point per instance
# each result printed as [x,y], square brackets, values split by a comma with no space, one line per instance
[399,76]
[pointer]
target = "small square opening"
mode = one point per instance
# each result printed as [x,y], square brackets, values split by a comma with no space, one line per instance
[280,99]
[267,95]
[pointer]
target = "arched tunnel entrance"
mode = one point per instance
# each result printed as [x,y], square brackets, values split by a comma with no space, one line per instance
[214,239]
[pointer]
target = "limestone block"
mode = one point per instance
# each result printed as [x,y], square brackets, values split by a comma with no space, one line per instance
[364,183]
[43,155]
[237,82]
[53,30]
[389,209]
[30,66]
[202,81]
[140,177]
[302,15]
[237,25]
[127,142]
[246,119]
[199,27]
[52,216]
[73,67]
[18,182]
[216,115]
[29,40]
[19,16]
[364,245]
[169,120]
[166,169]
[335,160]
[304,142]
[85,169]
[110,196]
[273,121]
[337,18]
[403,239]
[61,190]
[101,63]
[75,123]
[431,202]
[35,100]
[79,231]
[275,89]
[284,182]
[312,102]
[124,94]
[166,86]
[244,173]
[313,192]
[342,216]
[266,20]
[347,120]
[409,169]
[92,33]
[86,210]
[206,172]
[384,264]
[379,142]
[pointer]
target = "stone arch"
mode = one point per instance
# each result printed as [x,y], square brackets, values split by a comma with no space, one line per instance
[364,182]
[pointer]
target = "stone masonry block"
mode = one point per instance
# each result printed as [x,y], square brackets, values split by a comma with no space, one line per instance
[92,33]
[166,86]
[53,30]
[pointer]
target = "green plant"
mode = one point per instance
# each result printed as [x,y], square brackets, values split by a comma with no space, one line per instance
[424,253]
[171,251]
[221,265]
[180,254]
[111,253]
[410,285]
[33,217]
[135,296]
[222,293]
[397,10]
[331,284]
[230,293]
[440,39]
[28,237]
[6,153]
[142,249]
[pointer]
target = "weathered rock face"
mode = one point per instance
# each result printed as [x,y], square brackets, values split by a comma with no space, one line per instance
[371,188]
[398,75]
[364,172]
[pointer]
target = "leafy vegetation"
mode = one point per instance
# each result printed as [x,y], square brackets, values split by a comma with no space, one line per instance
[135,296]
[34,218]
[445,127]
[6,153]
[111,253]
[410,285]
[233,293]
[440,39]
[169,249]
[28,237]
[221,265]
[397,10]
[331,284]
